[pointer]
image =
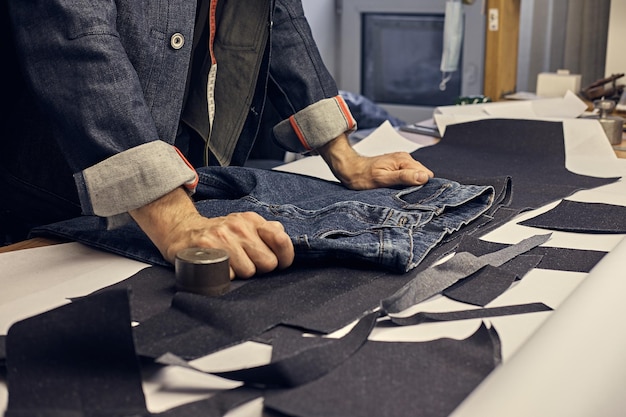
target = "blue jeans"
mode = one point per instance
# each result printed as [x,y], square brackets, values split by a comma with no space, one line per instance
[394,228]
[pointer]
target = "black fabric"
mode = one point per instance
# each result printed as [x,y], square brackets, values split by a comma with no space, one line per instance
[301,366]
[195,325]
[151,291]
[396,380]
[487,284]
[78,359]
[3,350]
[479,313]
[577,217]
[531,152]
[312,298]
[317,299]
[216,406]
[552,258]
[343,309]
[481,287]
[353,303]
[285,340]
[435,280]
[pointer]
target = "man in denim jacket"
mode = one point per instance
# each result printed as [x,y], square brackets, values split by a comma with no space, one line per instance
[134,94]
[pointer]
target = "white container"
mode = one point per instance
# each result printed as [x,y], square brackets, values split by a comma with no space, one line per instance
[556,84]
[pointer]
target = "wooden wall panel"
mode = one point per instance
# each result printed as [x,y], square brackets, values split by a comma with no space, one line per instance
[501,48]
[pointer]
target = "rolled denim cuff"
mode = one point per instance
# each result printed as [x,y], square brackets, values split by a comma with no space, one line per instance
[315,125]
[132,179]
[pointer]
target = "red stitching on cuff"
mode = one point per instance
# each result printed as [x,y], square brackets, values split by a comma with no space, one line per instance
[298,132]
[188,185]
[346,112]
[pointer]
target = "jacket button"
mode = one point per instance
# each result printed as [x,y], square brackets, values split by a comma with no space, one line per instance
[177,40]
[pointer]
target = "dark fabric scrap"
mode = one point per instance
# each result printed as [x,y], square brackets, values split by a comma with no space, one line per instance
[286,340]
[358,300]
[316,299]
[531,152]
[553,258]
[420,379]
[3,350]
[566,259]
[522,264]
[195,325]
[151,291]
[482,286]
[487,284]
[478,313]
[78,359]
[301,366]
[434,280]
[577,217]
[346,307]
[216,406]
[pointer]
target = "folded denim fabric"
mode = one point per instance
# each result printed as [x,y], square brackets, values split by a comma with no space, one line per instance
[392,227]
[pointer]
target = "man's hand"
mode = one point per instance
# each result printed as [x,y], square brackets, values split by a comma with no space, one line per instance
[360,172]
[254,244]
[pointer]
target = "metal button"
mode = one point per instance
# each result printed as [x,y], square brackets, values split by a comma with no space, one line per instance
[177,40]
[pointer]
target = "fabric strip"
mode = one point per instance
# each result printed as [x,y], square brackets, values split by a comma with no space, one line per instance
[301,367]
[479,313]
[481,287]
[436,279]
[553,258]
[577,217]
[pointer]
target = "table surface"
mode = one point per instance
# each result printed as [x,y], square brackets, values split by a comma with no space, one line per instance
[512,335]
[35,242]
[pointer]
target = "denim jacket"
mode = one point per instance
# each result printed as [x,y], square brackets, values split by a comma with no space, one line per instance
[394,228]
[113,75]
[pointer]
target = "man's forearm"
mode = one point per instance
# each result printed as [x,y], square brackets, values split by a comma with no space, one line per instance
[254,244]
[159,218]
[340,158]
